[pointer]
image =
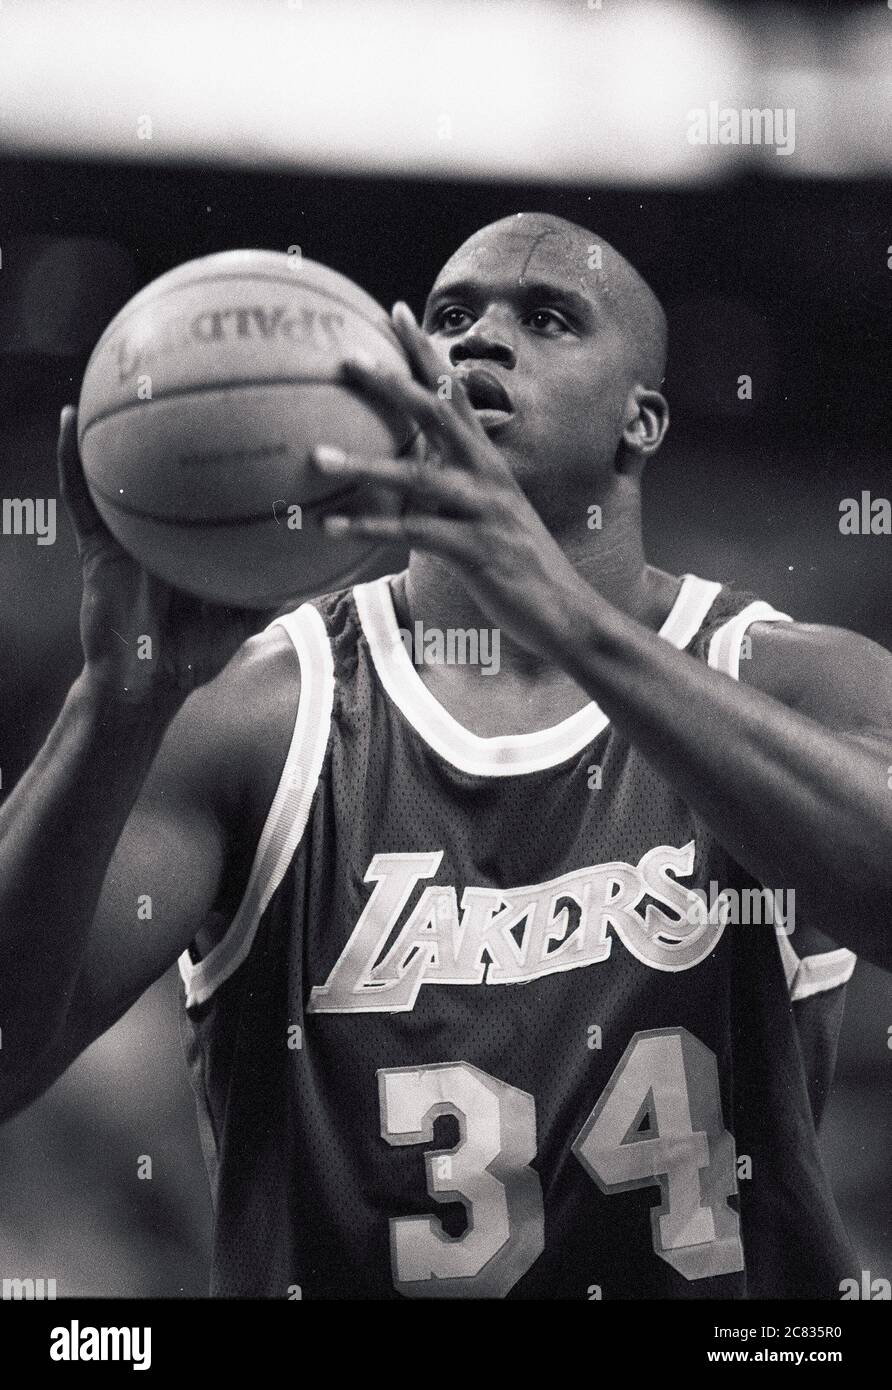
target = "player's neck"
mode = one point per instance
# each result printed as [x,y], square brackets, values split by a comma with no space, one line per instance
[611,560]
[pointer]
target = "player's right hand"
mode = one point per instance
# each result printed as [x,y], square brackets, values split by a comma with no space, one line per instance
[143,641]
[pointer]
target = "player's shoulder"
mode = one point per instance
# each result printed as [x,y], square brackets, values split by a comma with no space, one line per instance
[269,654]
[262,677]
[230,739]
[823,670]
[248,711]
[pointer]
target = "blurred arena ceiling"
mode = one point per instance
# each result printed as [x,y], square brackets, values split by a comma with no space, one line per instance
[601,90]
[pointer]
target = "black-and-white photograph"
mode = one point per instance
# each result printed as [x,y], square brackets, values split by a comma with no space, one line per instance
[445,811]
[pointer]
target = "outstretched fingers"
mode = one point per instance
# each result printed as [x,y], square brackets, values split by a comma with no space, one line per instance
[438,418]
[426,365]
[441,535]
[445,487]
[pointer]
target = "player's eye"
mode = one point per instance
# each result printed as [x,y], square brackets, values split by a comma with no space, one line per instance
[547,321]
[453,318]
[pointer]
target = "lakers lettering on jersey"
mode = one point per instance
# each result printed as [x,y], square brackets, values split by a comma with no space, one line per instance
[473,1032]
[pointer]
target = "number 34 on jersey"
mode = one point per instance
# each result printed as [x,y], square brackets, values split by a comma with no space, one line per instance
[665,1076]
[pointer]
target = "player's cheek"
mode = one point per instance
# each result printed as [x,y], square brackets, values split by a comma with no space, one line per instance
[603,408]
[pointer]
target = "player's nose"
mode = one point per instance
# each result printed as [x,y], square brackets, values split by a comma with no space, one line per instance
[485,340]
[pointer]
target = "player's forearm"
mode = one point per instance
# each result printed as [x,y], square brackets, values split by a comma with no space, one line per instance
[797,805]
[58,830]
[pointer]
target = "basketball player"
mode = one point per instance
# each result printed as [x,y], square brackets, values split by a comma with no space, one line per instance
[460,1022]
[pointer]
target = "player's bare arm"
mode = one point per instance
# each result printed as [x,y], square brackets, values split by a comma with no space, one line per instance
[799,795]
[136,793]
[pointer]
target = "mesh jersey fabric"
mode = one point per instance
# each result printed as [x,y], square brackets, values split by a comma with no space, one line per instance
[466,1055]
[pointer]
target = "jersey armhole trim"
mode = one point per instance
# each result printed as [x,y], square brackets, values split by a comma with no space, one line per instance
[826,970]
[808,975]
[725,643]
[290,809]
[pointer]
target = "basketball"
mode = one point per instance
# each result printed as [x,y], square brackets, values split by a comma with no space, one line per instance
[200,406]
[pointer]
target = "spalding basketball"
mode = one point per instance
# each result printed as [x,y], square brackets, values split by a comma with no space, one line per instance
[200,406]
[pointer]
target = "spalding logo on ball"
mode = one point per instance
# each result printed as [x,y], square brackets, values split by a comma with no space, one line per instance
[200,407]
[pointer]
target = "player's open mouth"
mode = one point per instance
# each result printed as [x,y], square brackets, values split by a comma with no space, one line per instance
[491,402]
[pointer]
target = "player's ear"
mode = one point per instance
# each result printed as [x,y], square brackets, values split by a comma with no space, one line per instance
[647,420]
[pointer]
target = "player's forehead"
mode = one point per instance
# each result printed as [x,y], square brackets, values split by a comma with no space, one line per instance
[527,250]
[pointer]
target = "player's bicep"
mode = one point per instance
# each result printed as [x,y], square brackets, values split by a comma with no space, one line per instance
[194,825]
[162,878]
[190,829]
[164,875]
[840,679]
[161,883]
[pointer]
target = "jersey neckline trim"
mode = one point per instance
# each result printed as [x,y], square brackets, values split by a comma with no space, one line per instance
[508,754]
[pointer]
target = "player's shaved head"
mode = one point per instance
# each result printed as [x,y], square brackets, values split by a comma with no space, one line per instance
[542,246]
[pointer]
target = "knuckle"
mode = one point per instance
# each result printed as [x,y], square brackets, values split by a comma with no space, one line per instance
[415,473]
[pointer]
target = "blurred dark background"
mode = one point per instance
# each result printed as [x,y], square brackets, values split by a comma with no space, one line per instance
[786,281]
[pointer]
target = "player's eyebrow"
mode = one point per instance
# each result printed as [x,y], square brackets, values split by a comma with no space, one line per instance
[528,293]
[561,296]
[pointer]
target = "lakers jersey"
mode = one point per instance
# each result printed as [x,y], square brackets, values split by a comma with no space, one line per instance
[477,1030]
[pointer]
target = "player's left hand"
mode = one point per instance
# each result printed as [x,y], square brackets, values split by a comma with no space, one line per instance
[462,503]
